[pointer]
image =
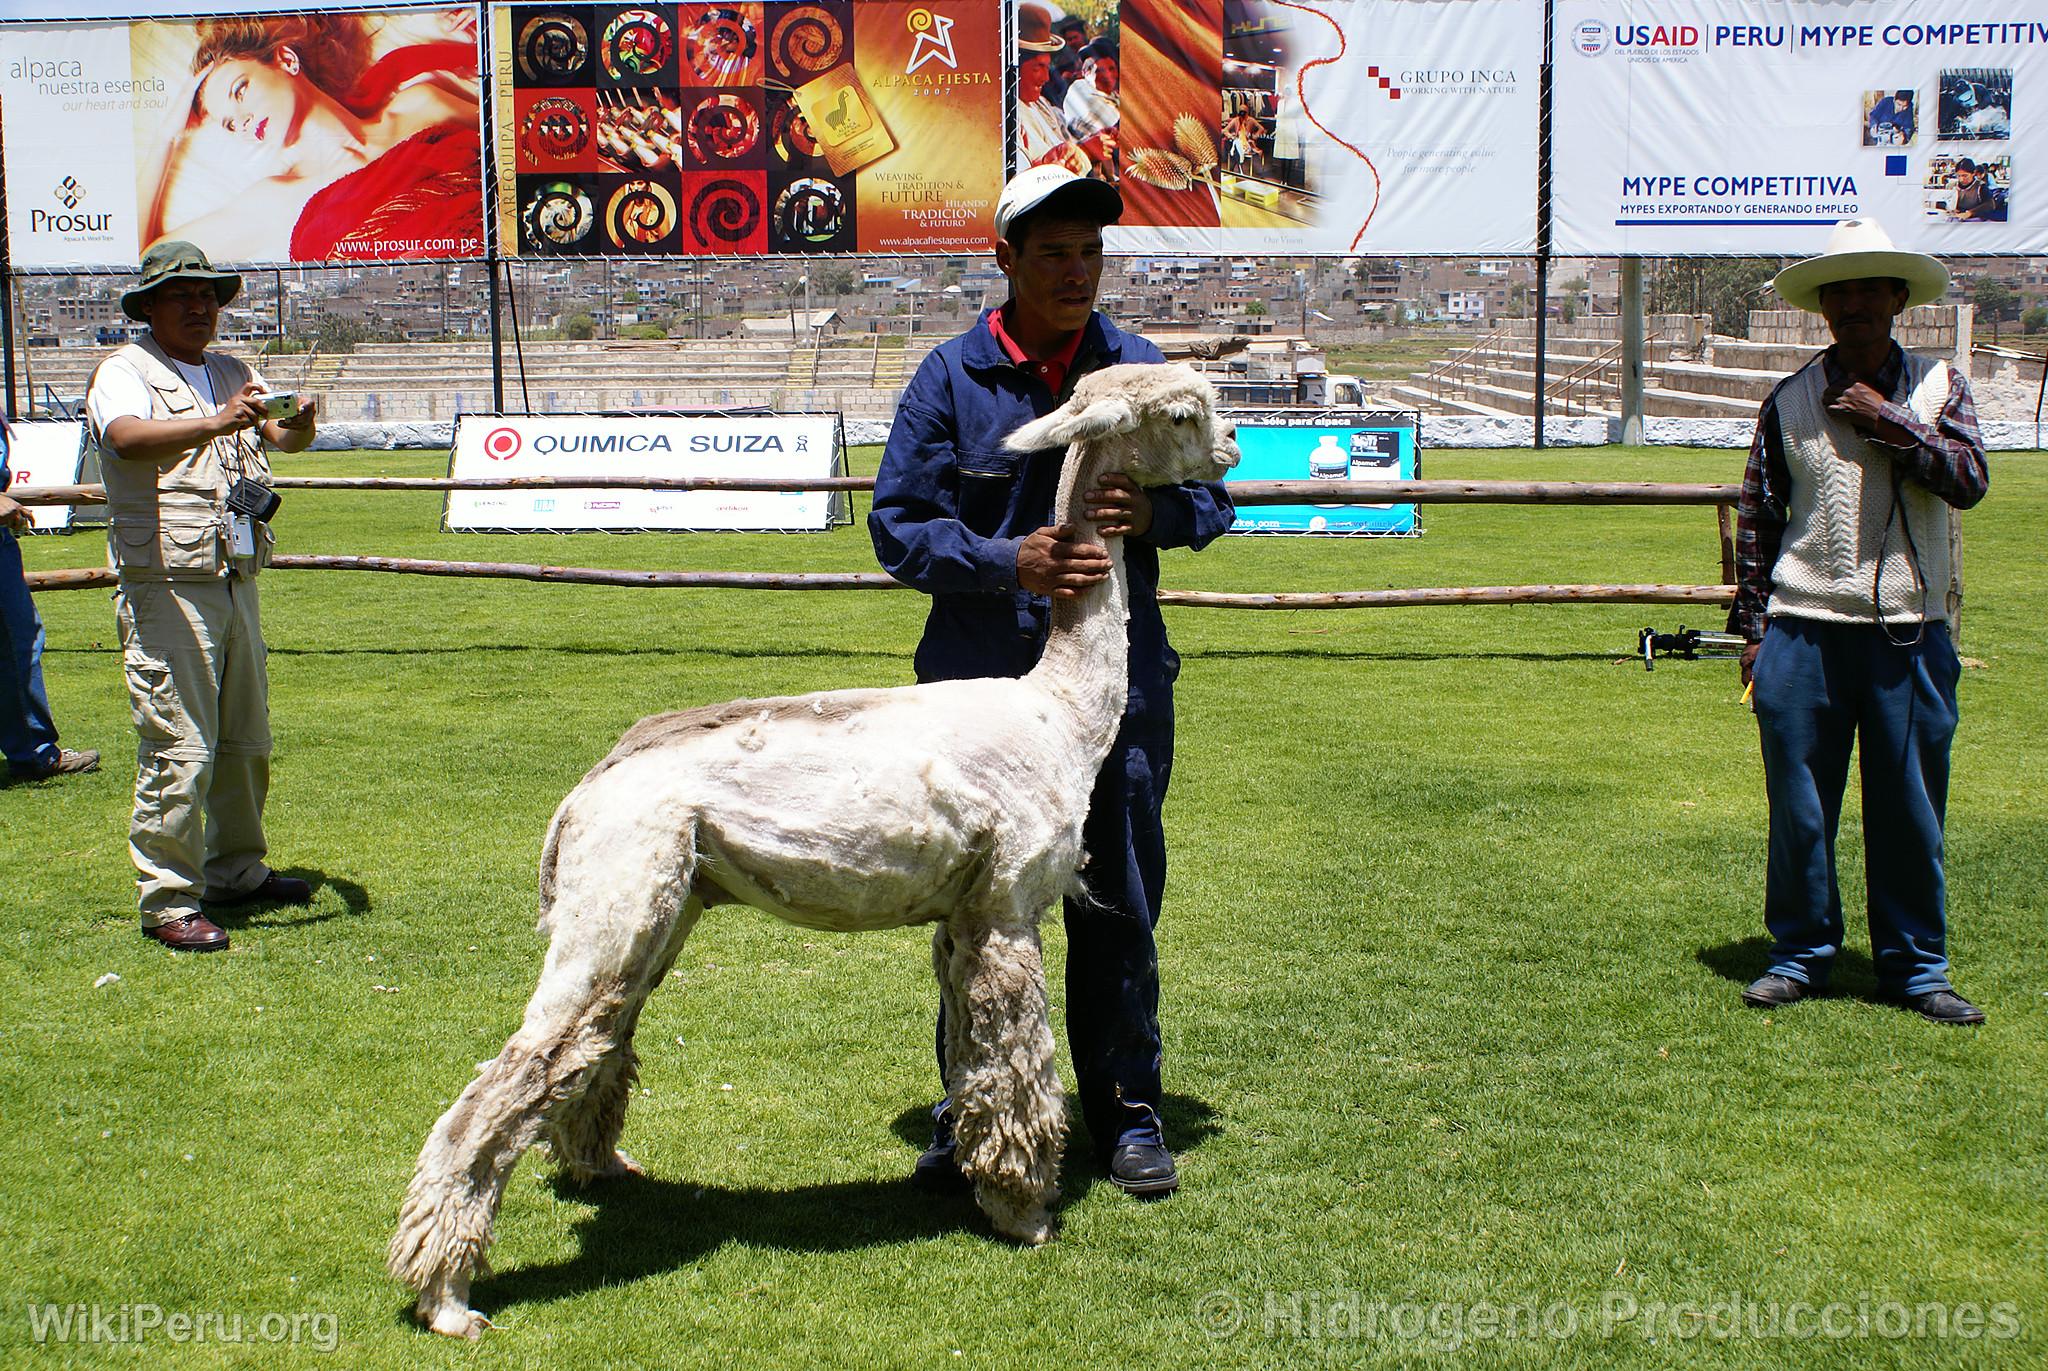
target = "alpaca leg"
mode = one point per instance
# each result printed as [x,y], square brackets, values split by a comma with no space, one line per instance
[605,941]
[1009,1116]
[584,1134]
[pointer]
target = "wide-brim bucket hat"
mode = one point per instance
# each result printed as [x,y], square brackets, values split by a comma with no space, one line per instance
[173,260]
[1860,248]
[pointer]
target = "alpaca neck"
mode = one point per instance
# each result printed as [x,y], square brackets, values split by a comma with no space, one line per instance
[1087,650]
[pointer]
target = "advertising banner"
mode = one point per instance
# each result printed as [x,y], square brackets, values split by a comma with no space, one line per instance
[46,453]
[1292,126]
[1753,126]
[1274,446]
[662,446]
[826,126]
[326,137]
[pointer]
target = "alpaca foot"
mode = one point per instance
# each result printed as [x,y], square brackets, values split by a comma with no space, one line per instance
[452,1318]
[620,1165]
[1022,1218]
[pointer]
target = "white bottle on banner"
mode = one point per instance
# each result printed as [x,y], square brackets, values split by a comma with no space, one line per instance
[1327,462]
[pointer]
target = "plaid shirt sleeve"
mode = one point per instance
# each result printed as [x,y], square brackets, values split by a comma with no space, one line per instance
[1947,456]
[1759,523]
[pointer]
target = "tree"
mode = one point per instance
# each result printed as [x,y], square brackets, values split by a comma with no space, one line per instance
[2034,320]
[1725,288]
[579,327]
[1994,297]
[1254,308]
[332,333]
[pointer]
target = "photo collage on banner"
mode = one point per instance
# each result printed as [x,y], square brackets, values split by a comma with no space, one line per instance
[821,126]
[1749,126]
[262,138]
[1311,126]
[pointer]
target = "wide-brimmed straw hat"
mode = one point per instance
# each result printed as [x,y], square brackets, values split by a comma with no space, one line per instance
[1034,30]
[1858,249]
[172,260]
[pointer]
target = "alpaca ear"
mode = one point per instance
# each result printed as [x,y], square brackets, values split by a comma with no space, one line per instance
[1070,425]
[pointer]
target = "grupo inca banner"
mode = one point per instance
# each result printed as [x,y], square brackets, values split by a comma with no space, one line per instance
[262,138]
[825,126]
[1292,126]
[663,446]
[1752,126]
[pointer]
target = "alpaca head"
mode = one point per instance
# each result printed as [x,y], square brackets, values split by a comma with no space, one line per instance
[1159,424]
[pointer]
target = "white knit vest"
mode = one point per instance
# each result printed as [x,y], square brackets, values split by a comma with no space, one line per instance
[1844,516]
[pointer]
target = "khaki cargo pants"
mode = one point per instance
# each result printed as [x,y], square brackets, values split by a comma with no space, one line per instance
[195,661]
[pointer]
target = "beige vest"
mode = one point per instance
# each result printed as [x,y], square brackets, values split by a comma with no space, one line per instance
[166,521]
[1846,531]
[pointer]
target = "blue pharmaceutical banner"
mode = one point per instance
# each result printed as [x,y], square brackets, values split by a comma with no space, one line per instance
[1370,446]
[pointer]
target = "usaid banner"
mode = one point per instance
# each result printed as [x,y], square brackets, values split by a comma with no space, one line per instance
[1274,446]
[661,447]
[1753,126]
[46,453]
[309,137]
[1332,128]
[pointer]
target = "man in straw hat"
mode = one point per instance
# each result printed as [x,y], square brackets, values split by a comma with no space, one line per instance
[1846,578]
[960,517]
[178,427]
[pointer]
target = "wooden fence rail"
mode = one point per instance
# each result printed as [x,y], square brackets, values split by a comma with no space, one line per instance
[1243,493]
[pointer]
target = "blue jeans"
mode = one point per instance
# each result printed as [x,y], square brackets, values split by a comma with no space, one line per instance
[28,738]
[1822,688]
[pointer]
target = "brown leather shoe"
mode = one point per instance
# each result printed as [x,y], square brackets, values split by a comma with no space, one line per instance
[68,763]
[193,933]
[273,889]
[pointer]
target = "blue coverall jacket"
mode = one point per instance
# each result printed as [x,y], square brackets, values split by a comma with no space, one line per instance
[951,506]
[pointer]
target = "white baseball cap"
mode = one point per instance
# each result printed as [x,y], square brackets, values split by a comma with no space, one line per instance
[1032,187]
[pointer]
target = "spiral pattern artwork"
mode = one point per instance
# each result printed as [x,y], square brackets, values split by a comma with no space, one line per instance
[636,44]
[722,128]
[719,46]
[555,130]
[807,40]
[641,214]
[724,213]
[552,47]
[557,216]
[811,211]
[790,135]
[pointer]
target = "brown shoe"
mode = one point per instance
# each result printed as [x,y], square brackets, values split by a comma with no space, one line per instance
[273,889]
[193,933]
[68,763]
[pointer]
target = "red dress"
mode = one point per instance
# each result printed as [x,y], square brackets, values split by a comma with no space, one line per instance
[422,198]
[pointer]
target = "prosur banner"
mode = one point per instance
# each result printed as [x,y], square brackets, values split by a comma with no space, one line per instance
[275,138]
[665,447]
[1753,126]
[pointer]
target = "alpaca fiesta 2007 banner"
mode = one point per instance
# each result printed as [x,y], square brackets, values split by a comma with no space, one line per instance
[822,126]
[262,138]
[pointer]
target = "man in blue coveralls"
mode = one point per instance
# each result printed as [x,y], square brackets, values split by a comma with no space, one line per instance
[961,518]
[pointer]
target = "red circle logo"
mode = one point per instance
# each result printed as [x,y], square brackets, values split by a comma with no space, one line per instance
[501,444]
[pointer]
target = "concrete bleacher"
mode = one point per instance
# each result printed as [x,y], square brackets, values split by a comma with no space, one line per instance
[1687,372]
[859,376]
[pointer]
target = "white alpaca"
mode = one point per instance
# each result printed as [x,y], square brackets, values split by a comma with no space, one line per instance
[958,803]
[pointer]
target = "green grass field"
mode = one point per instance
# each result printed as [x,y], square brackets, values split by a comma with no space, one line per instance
[1460,904]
